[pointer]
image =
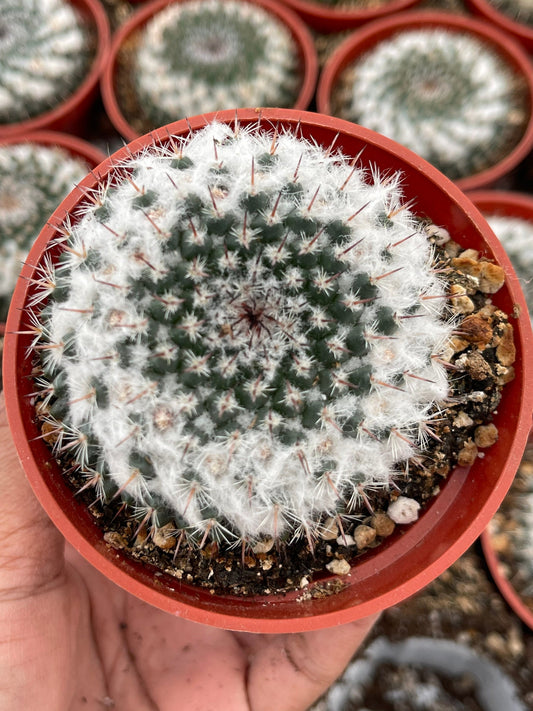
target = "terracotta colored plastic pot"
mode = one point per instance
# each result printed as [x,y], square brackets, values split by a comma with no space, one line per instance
[520,31]
[70,115]
[77,147]
[508,592]
[412,556]
[299,31]
[503,202]
[328,18]
[363,40]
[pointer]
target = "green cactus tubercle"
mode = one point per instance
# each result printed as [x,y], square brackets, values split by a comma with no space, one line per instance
[241,335]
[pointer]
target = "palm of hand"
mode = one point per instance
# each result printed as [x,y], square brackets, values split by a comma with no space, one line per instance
[70,640]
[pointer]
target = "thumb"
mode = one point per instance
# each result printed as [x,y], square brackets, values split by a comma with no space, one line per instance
[31,548]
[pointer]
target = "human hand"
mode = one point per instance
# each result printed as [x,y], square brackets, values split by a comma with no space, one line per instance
[71,640]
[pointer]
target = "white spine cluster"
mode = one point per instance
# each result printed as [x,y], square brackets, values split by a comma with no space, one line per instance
[207,55]
[516,235]
[33,180]
[44,49]
[443,94]
[243,331]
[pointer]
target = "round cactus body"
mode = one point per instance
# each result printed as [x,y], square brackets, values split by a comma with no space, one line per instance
[45,51]
[445,95]
[206,55]
[242,335]
[516,235]
[33,180]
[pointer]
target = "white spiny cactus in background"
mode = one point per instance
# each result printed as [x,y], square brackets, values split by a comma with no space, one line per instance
[516,235]
[241,334]
[517,10]
[45,50]
[444,94]
[207,55]
[33,180]
[522,535]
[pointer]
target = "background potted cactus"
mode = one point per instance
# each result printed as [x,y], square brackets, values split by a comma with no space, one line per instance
[453,89]
[36,173]
[507,541]
[254,312]
[514,17]
[431,673]
[189,57]
[51,56]
[510,215]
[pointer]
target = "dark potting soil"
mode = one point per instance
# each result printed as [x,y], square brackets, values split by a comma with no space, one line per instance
[480,366]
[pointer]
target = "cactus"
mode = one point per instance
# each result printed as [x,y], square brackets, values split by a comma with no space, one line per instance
[240,335]
[518,10]
[45,51]
[207,55]
[33,180]
[516,235]
[522,534]
[444,94]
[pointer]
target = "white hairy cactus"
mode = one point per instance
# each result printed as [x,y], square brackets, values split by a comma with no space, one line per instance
[45,50]
[34,179]
[516,236]
[207,55]
[241,335]
[444,94]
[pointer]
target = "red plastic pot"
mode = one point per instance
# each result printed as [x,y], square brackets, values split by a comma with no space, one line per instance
[299,31]
[369,36]
[521,32]
[508,592]
[412,556]
[327,18]
[70,115]
[503,202]
[77,147]
[497,571]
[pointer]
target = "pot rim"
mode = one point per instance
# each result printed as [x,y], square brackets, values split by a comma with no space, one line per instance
[297,28]
[507,590]
[325,18]
[400,567]
[64,115]
[360,41]
[72,144]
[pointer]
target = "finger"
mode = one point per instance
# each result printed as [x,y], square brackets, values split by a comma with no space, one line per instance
[291,671]
[31,553]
